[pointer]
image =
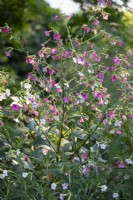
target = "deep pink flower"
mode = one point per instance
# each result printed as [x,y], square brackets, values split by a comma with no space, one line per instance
[101,75]
[131,116]
[26,158]
[56,36]
[66,99]
[114,78]
[51,71]
[116,60]
[99,95]
[7,30]
[15,107]
[85,96]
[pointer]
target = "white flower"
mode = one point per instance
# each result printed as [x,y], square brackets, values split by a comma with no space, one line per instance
[129,161]
[118,123]
[8,92]
[18,152]
[65,186]
[103,146]
[56,118]
[27,86]
[43,137]
[104,188]
[66,85]
[53,186]
[91,149]
[25,174]
[2,176]
[5,173]
[43,121]
[16,120]
[115,195]
[78,61]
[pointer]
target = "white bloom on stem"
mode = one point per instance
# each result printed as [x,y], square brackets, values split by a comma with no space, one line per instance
[4,174]
[103,146]
[43,121]
[65,186]
[53,186]
[25,174]
[78,61]
[118,123]
[129,161]
[115,195]
[8,93]
[104,188]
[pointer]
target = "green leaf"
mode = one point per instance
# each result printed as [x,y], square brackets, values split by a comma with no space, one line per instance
[114,147]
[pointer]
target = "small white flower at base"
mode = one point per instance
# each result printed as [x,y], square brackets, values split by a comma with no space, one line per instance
[53,186]
[118,123]
[2,176]
[65,186]
[104,188]
[129,161]
[25,174]
[103,146]
[115,195]
[43,121]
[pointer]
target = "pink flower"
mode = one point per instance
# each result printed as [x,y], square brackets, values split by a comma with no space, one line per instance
[101,75]
[29,60]
[57,18]
[51,71]
[85,96]
[56,36]
[81,120]
[114,78]
[59,90]
[120,43]
[96,22]
[56,57]
[120,165]
[66,99]
[67,54]
[131,116]
[15,107]
[26,158]
[40,53]
[105,16]
[99,95]
[84,155]
[7,30]
[118,132]
[55,51]
[8,54]
[116,60]
[47,33]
